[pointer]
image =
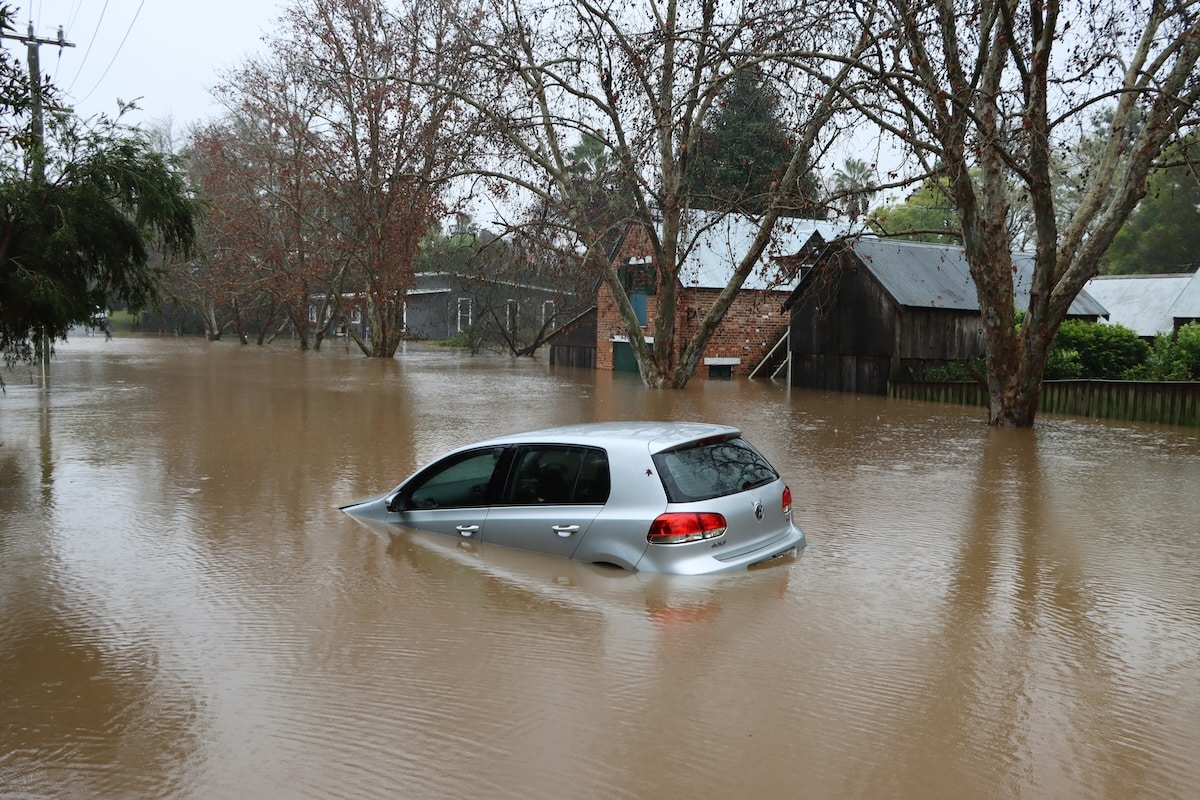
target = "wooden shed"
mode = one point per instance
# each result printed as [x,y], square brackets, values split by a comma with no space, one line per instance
[867,311]
[574,343]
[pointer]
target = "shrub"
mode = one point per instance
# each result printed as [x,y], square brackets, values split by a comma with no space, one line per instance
[1100,351]
[457,340]
[1186,363]
[1063,364]
[954,371]
[1172,358]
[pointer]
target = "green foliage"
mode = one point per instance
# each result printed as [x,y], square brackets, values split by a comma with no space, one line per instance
[458,340]
[1157,362]
[1173,358]
[78,207]
[1163,234]
[602,194]
[855,180]
[927,215]
[1063,364]
[954,371]
[744,150]
[1088,350]
[75,240]
[1187,352]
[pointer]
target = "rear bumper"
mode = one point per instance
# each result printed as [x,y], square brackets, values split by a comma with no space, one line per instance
[706,557]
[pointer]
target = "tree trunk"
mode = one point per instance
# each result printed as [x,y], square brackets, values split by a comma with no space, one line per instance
[212,328]
[385,318]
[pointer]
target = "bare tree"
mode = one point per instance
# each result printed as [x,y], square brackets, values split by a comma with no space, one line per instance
[385,140]
[221,284]
[643,79]
[297,258]
[991,93]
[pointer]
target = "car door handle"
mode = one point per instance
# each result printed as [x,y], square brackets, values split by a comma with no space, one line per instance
[565,530]
[467,530]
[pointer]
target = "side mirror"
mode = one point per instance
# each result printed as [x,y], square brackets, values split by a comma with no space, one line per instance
[396,502]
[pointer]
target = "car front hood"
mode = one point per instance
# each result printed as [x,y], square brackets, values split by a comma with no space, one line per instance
[374,507]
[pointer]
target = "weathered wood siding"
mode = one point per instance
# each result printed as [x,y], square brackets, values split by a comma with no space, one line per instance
[940,335]
[849,373]
[843,312]
[848,335]
[573,356]
[574,345]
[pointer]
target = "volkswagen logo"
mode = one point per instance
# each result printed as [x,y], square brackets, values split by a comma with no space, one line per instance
[758,511]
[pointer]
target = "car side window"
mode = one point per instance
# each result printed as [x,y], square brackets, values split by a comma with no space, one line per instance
[460,481]
[558,474]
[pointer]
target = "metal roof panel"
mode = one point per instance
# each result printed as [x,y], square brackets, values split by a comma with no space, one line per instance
[721,241]
[926,275]
[1141,303]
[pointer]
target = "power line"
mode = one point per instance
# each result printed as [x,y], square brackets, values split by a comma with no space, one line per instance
[88,51]
[116,53]
[37,153]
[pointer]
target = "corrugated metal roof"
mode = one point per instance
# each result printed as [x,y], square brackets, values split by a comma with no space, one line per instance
[1187,305]
[924,275]
[918,274]
[1141,303]
[721,241]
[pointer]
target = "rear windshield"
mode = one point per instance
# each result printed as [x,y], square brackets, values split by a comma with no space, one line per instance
[712,469]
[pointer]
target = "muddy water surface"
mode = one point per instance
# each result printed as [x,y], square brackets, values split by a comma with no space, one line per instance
[185,614]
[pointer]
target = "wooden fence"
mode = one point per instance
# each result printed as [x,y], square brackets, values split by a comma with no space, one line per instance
[1169,403]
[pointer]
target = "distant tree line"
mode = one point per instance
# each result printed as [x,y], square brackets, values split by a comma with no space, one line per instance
[364,122]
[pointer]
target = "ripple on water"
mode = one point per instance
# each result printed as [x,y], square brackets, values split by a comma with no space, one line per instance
[187,615]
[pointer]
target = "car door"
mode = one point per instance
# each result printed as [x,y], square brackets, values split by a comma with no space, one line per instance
[550,498]
[452,495]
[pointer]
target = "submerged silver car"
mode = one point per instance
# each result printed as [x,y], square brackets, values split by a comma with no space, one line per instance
[677,497]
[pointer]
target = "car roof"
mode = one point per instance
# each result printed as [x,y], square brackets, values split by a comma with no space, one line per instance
[656,436]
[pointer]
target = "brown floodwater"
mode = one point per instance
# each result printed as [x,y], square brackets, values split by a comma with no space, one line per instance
[184,613]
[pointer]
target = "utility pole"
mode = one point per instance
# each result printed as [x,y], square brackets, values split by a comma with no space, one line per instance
[32,42]
[37,159]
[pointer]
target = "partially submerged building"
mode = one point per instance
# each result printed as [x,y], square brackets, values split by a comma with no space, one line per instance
[867,311]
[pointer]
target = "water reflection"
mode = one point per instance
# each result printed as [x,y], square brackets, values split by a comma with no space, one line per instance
[186,613]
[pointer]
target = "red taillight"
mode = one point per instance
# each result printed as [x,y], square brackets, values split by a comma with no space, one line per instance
[678,528]
[787,500]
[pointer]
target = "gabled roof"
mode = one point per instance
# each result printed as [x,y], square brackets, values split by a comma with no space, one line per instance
[1143,303]
[1187,305]
[721,241]
[925,275]
[918,274]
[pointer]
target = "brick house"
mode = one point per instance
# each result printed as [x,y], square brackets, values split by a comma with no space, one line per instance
[754,323]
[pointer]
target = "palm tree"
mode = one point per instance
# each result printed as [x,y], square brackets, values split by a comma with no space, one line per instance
[854,183]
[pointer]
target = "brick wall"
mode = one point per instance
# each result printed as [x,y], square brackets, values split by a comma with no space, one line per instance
[750,329]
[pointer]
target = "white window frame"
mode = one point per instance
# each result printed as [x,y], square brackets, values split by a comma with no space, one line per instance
[512,314]
[464,311]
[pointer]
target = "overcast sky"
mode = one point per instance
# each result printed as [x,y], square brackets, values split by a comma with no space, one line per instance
[166,52]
